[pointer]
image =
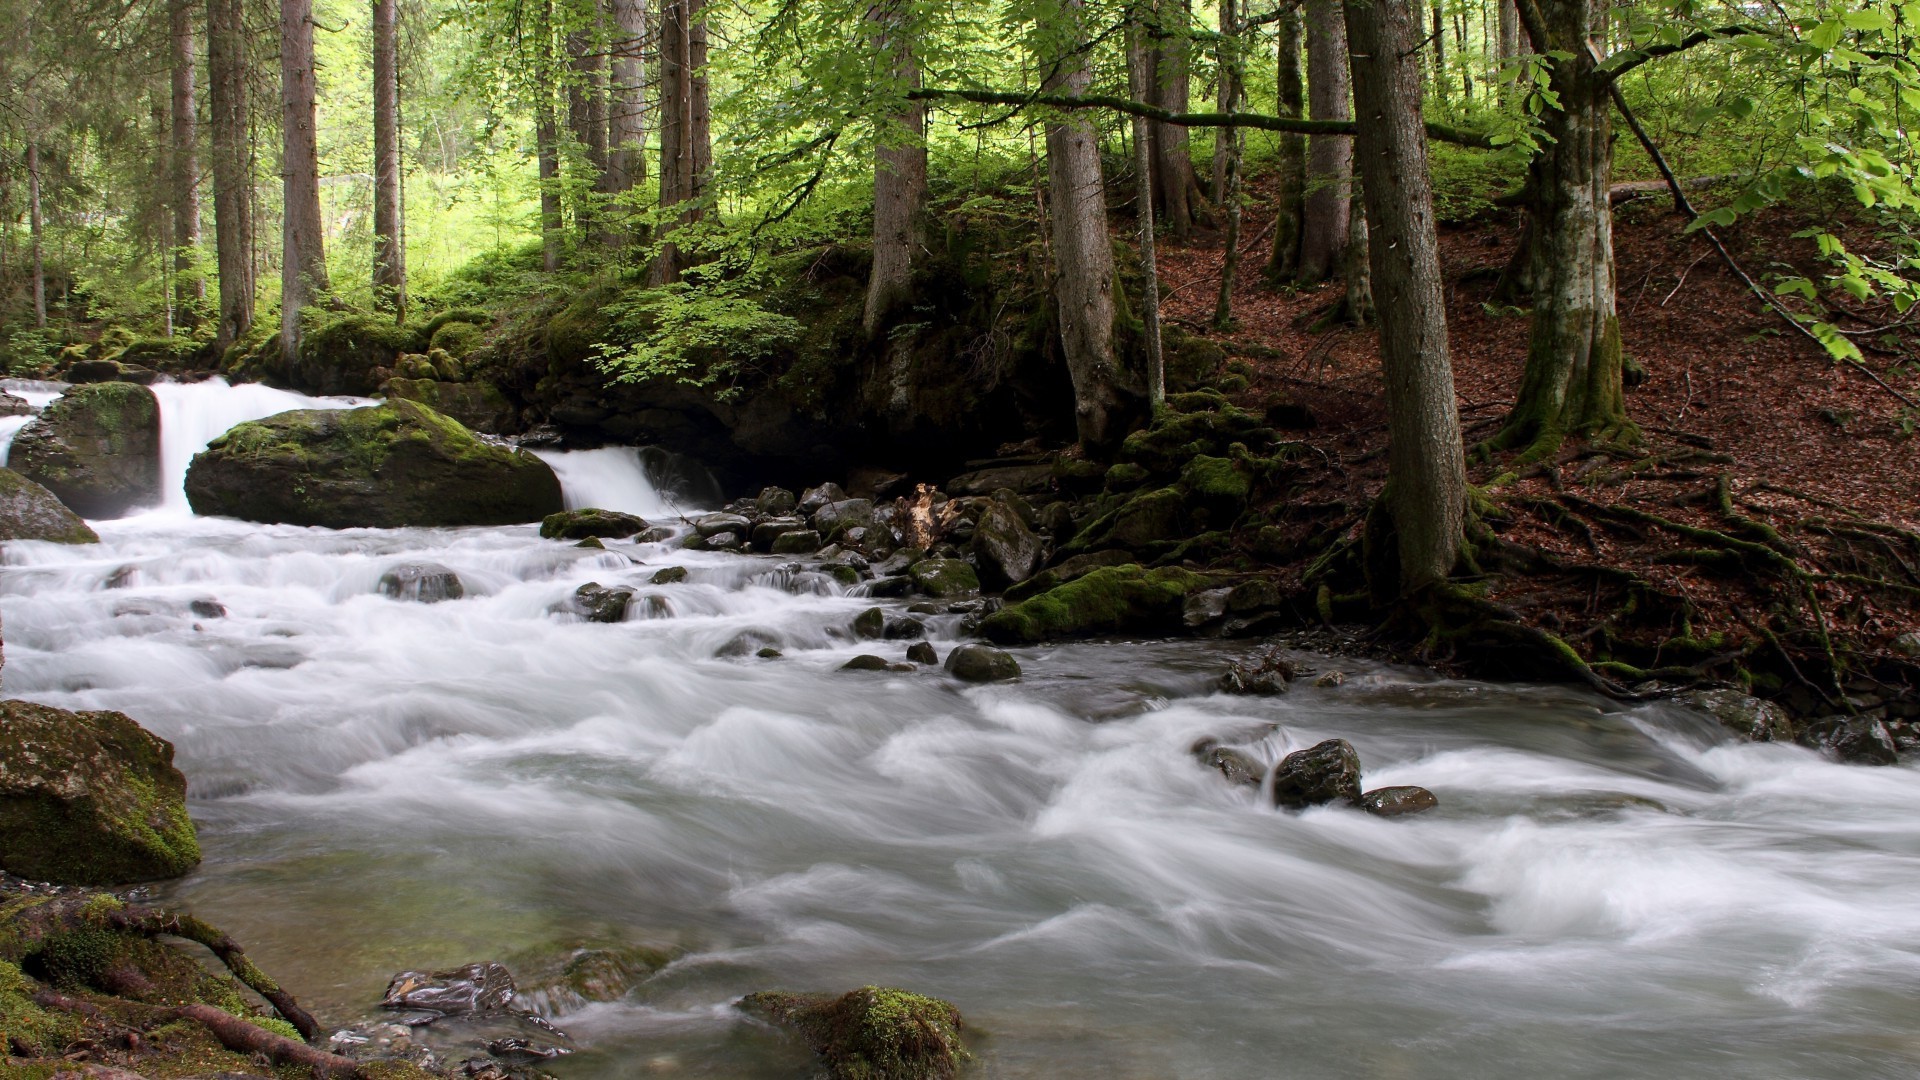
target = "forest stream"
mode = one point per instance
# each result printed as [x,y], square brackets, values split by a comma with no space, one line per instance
[1604,891]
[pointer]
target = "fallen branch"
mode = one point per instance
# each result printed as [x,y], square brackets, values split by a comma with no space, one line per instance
[151,921]
[233,1033]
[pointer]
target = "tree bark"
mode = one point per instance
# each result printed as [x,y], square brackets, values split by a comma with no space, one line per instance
[587,117]
[899,174]
[1329,157]
[190,289]
[1355,270]
[1083,254]
[547,149]
[1572,381]
[1426,493]
[389,222]
[1227,161]
[1439,36]
[1290,199]
[303,259]
[1179,186]
[34,228]
[626,102]
[686,143]
[1140,76]
[227,113]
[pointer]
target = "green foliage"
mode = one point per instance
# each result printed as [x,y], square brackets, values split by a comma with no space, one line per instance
[697,336]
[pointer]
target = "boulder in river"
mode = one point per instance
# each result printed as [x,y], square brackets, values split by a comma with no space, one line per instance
[873,1033]
[922,652]
[385,466]
[1007,551]
[428,583]
[589,522]
[11,405]
[97,448]
[981,663]
[1239,767]
[870,624]
[1755,719]
[1324,773]
[865,662]
[774,501]
[598,603]
[1861,740]
[814,498]
[669,575]
[29,511]
[1398,801]
[946,579]
[472,988]
[479,405]
[89,798]
[801,542]
[1108,600]
[1264,671]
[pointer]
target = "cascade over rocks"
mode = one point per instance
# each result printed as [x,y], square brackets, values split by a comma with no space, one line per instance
[598,603]
[96,447]
[388,466]
[31,512]
[89,798]
[427,583]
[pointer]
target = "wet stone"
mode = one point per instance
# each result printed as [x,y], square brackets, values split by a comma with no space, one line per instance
[1860,741]
[981,663]
[1239,767]
[1327,772]
[472,988]
[921,652]
[428,583]
[1396,801]
[208,609]
[1265,671]
[865,662]
[671,575]
[904,629]
[870,624]
[600,604]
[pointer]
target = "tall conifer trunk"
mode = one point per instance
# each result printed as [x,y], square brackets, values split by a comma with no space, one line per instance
[303,259]
[34,239]
[389,221]
[686,142]
[1329,157]
[190,289]
[626,104]
[231,147]
[1290,198]
[899,174]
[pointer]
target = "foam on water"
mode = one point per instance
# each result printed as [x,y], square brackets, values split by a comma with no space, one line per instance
[379,784]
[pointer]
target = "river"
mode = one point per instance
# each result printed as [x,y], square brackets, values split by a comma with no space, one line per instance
[379,785]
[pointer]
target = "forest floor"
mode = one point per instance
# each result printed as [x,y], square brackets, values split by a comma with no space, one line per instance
[1763,531]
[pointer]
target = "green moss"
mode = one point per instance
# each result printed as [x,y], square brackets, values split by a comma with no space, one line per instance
[873,1033]
[1117,599]
[25,1025]
[1126,476]
[1216,482]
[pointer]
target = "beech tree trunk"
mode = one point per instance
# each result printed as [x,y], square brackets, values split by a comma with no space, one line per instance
[1572,381]
[389,221]
[1179,185]
[1083,254]
[227,114]
[303,265]
[1290,199]
[626,102]
[686,142]
[1426,492]
[190,289]
[34,239]
[1509,48]
[899,174]
[1329,157]
[1226,169]
[1140,69]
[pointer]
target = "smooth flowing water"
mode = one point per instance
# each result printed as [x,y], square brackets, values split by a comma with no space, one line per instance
[381,784]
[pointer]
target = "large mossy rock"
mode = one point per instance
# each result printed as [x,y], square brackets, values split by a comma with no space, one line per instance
[345,354]
[873,1033]
[97,448]
[479,405]
[31,512]
[386,466]
[89,798]
[1111,600]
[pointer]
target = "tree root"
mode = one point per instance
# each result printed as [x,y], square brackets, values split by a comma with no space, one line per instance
[232,1032]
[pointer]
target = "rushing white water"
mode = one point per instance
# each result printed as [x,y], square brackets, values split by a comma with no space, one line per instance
[36,394]
[611,478]
[193,414]
[380,785]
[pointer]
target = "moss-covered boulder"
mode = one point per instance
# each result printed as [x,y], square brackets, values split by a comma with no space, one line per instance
[89,798]
[945,579]
[97,448]
[873,1033]
[457,339]
[1005,549]
[386,466]
[1216,484]
[31,512]
[592,521]
[1111,600]
[340,354]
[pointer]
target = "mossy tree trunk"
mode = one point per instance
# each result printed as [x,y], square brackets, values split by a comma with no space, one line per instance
[899,172]
[1426,493]
[1226,159]
[1329,157]
[34,229]
[1289,200]
[1572,382]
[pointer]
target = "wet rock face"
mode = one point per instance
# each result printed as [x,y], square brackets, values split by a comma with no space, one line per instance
[1239,767]
[873,1033]
[1328,772]
[581,524]
[428,583]
[598,603]
[29,511]
[1859,741]
[388,466]
[945,579]
[1007,551]
[1755,719]
[981,663]
[89,798]
[473,988]
[1266,671]
[1398,801]
[97,448]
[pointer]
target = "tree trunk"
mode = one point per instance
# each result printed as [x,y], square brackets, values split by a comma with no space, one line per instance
[1083,254]
[1439,36]
[1329,157]
[1227,161]
[587,117]
[1572,381]
[547,149]
[190,289]
[232,168]
[1140,68]
[899,173]
[1355,270]
[1426,492]
[303,259]
[626,103]
[1290,199]
[686,144]
[389,223]
[35,240]
[1509,46]
[1172,162]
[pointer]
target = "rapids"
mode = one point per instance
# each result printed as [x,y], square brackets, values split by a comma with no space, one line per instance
[379,785]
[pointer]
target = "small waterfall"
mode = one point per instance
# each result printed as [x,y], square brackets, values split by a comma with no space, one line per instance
[646,481]
[194,414]
[34,393]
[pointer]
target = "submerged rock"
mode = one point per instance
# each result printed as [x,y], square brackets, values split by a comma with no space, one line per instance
[873,1033]
[29,511]
[97,448]
[1265,671]
[1327,772]
[598,603]
[89,798]
[669,575]
[1396,801]
[981,663]
[387,466]
[1859,741]
[921,652]
[428,583]
[1239,767]
[472,988]
[865,662]
[591,522]
[1754,719]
